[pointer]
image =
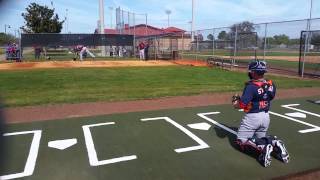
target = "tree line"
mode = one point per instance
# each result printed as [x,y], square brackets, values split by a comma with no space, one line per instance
[248,27]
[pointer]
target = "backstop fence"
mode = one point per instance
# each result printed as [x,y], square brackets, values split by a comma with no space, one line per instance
[285,46]
[290,47]
[65,46]
[309,54]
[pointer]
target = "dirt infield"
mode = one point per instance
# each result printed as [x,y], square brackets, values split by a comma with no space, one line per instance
[188,62]
[81,64]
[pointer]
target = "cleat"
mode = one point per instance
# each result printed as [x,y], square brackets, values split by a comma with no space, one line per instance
[281,151]
[265,156]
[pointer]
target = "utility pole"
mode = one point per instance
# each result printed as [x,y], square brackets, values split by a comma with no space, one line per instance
[307,40]
[101,17]
[192,22]
[111,9]
[5,28]
[168,12]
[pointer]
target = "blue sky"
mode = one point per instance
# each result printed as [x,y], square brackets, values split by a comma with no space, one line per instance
[83,14]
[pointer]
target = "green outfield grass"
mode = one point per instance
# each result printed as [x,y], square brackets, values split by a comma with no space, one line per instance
[51,86]
[2,51]
[224,52]
[280,64]
[153,143]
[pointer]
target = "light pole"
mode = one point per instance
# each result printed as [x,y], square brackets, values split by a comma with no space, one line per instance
[111,9]
[168,12]
[67,21]
[307,39]
[192,22]
[5,28]
[101,17]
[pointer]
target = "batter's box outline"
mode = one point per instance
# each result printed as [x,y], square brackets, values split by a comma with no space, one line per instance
[92,153]
[32,156]
[202,144]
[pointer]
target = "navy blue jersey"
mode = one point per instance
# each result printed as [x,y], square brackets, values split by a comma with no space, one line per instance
[257,96]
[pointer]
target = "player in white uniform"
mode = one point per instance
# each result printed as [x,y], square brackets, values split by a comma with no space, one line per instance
[83,50]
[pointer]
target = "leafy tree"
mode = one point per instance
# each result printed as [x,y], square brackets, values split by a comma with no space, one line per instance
[210,37]
[223,35]
[6,38]
[294,41]
[315,40]
[41,19]
[281,39]
[243,27]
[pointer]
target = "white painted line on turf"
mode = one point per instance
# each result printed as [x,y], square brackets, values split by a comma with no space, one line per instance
[62,144]
[204,116]
[289,106]
[297,115]
[32,157]
[202,144]
[92,154]
[314,127]
[309,130]
[200,126]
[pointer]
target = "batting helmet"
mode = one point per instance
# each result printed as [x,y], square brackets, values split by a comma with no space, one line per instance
[258,66]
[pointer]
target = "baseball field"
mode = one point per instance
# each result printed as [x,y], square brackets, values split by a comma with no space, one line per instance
[145,120]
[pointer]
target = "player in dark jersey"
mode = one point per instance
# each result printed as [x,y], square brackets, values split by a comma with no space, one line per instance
[255,102]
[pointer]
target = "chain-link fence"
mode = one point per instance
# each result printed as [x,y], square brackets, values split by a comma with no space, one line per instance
[165,46]
[47,46]
[309,58]
[278,43]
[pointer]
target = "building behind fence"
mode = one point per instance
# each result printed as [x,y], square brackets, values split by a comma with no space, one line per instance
[282,44]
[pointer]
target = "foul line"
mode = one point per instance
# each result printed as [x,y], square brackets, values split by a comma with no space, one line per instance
[202,144]
[32,157]
[313,129]
[92,154]
[289,106]
[204,116]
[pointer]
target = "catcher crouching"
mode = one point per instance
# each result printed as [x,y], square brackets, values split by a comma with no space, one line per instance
[255,102]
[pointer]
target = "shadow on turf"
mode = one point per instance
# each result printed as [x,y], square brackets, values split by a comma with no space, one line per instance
[221,133]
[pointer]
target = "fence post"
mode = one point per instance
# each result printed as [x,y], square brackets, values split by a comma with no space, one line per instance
[182,34]
[197,45]
[306,44]
[146,25]
[20,46]
[134,35]
[265,41]
[235,46]
[213,31]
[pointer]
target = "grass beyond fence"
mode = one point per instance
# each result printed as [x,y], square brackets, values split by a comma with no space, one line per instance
[225,52]
[2,51]
[52,86]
